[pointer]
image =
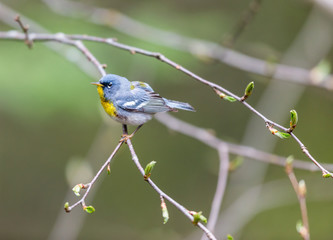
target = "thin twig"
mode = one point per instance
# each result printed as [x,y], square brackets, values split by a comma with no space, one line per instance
[90,184]
[247,17]
[198,47]
[220,188]
[300,191]
[181,208]
[59,37]
[63,38]
[211,140]
[25,29]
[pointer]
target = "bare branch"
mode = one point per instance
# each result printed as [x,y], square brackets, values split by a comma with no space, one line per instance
[25,29]
[197,47]
[247,17]
[220,188]
[300,191]
[90,184]
[209,139]
[59,37]
[162,194]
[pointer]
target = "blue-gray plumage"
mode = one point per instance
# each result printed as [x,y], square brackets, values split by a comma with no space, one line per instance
[133,103]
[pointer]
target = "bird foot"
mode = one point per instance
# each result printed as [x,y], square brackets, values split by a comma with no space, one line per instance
[126,137]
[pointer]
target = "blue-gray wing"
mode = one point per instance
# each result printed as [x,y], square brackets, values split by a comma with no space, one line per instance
[142,98]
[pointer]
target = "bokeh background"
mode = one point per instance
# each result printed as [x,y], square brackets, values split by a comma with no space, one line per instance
[53,133]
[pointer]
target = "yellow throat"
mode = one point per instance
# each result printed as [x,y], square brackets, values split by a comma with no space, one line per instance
[108,106]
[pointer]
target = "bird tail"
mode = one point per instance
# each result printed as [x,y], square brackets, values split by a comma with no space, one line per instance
[179,105]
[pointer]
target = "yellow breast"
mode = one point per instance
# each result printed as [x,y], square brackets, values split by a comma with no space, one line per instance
[108,106]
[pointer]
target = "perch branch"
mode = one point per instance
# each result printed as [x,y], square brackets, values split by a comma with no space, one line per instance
[197,47]
[68,39]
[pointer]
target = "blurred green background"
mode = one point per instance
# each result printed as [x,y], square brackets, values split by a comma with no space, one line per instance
[53,133]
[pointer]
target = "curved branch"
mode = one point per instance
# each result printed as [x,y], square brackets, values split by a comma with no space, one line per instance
[89,185]
[181,208]
[197,47]
[60,37]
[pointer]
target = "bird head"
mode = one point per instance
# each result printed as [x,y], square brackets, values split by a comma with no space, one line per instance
[108,85]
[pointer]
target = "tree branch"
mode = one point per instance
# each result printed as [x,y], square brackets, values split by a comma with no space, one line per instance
[89,185]
[162,194]
[300,191]
[197,47]
[209,139]
[220,188]
[25,29]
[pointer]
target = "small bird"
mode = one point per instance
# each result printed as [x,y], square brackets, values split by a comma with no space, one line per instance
[133,103]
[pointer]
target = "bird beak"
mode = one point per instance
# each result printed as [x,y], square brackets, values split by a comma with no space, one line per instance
[96,83]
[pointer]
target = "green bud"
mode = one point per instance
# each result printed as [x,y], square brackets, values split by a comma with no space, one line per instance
[224,96]
[275,132]
[249,88]
[319,72]
[77,188]
[149,169]
[302,188]
[165,213]
[66,207]
[282,135]
[235,163]
[248,91]
[289,164]
[299,225]
[108,169]
[197,216]
[89,209]
[302,230]
[229,237]
[327,175]
[293,120]
[229,98]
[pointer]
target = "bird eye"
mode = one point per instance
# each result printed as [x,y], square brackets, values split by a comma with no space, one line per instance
[109,85]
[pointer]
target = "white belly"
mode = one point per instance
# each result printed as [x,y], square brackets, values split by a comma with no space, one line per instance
[135,119]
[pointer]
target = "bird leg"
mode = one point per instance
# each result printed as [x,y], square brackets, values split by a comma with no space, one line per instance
[127,136]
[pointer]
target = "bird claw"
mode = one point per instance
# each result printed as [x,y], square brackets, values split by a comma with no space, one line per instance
[125,137]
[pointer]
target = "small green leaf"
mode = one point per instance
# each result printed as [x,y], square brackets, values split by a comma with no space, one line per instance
[299,225]
[197,216]
[327,175]
[289,164]
[89,209]
[319,72]
[149,169]
[248,91]
[302,230]
[282,135]
[108,169]
[66,207]
[76,189]
[290,159]
[236,163]
[229,237]
[293,119]
[229,98]
[224,96]
[165,213]
[302,188]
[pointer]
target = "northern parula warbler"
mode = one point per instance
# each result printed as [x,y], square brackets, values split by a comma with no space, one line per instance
[133,103]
